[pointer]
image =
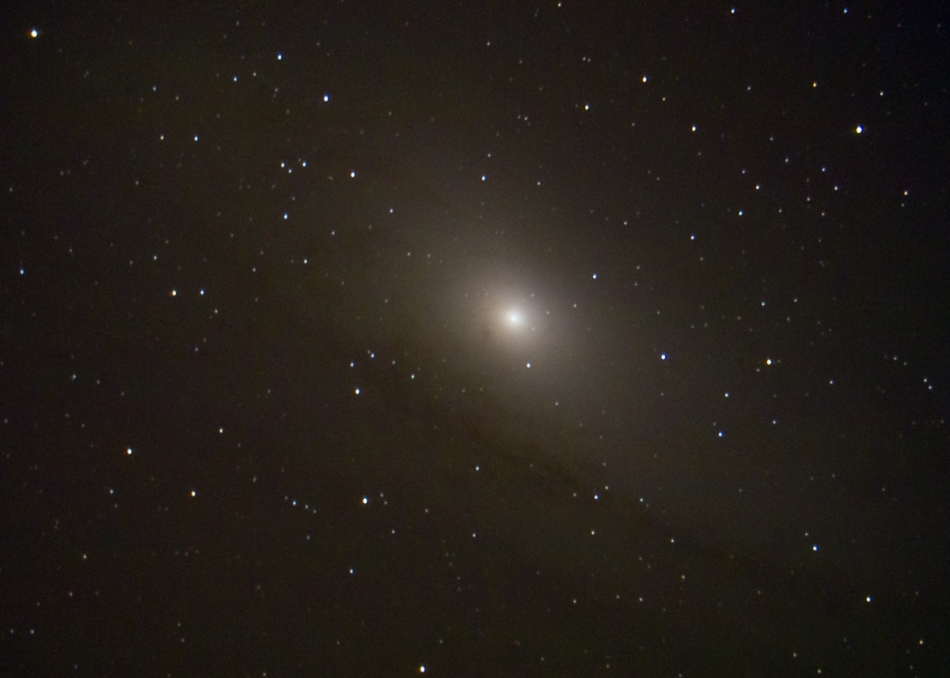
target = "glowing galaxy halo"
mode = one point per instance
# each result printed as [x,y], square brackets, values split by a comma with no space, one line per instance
[497,314]
[516,319]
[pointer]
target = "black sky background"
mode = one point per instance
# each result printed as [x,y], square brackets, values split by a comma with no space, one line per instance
[263,410]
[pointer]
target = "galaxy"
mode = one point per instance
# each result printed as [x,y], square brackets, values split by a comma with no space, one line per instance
[474,339]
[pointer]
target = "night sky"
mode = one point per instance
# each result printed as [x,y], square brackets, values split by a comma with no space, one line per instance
[474,339]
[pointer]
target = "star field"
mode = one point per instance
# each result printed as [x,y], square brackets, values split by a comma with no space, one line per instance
[468,339]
